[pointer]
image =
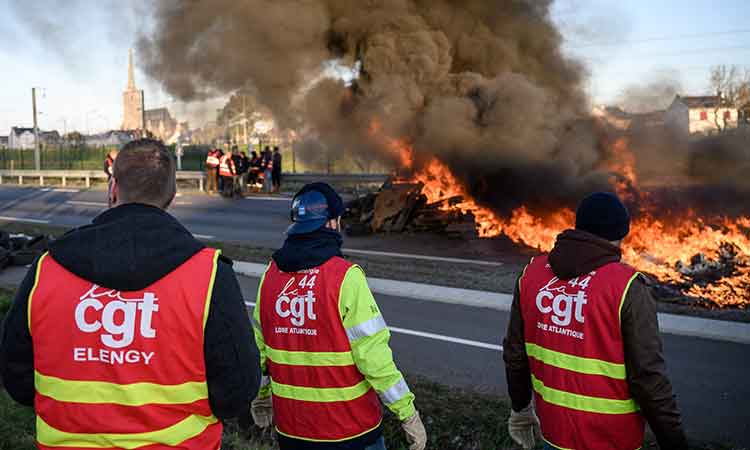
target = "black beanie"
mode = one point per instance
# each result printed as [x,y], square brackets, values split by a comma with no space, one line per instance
[603,215]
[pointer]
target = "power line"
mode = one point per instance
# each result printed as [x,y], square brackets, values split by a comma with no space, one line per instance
[657,39]
[677,53]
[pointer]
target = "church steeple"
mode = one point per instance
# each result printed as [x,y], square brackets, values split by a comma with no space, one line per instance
[132,101]
[131,77]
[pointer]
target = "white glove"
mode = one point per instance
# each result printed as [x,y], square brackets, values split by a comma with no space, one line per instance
[524,428]
[416,435]
[262,411]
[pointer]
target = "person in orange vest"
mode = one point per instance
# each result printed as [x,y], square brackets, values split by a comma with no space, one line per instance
[323,341]
[130,333]
[109,163]
[583,337]
[227,171]
[212,169]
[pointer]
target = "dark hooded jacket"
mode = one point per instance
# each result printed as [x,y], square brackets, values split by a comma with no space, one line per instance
[128,248]
[576,253]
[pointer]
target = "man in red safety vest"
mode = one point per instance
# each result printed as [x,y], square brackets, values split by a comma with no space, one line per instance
[324,342]
[130,333]
[227,171]
[213,160]
[583,337]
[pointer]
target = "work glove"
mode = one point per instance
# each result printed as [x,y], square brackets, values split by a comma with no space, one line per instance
[416,435]
[523,427]
[262,411]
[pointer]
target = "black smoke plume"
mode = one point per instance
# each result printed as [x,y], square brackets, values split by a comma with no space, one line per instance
[482,85]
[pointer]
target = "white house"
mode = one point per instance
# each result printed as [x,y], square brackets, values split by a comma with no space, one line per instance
[21,138]
[700,115]
[113,138]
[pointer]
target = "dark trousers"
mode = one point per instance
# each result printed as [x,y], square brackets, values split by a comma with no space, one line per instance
[211,179]
[228,188]
[276,179]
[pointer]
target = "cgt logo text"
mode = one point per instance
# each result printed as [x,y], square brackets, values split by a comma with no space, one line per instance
[563,306]
[117,323]
[298,307]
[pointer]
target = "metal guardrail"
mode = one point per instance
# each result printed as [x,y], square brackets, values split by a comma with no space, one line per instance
[335,178]
[88,175]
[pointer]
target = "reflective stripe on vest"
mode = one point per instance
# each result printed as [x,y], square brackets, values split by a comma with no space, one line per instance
[318,392]
[212,160]
[122,369]
[583,402]
[135,394]
[172,436]
[578,364]
[577,358]
[226,166]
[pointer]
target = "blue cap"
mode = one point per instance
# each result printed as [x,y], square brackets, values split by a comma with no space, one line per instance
[309,213]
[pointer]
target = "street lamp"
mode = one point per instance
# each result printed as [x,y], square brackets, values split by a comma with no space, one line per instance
[37,154]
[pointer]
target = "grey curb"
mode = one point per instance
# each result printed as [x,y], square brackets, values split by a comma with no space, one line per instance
[668,323]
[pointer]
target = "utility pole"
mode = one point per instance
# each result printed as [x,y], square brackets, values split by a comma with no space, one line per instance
[37,155]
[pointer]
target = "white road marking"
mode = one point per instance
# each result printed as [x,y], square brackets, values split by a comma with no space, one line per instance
[182,203]
[22,219]
[424,257]
[274,199]
[437,337]
[440,337]
[72,191]
[81,203]
[203,236]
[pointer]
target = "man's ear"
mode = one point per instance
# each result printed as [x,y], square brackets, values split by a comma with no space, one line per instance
[112,194]
[170,201]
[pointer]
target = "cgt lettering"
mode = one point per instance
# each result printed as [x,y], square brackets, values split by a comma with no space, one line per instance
[298,308]
[564,307]
[118,333]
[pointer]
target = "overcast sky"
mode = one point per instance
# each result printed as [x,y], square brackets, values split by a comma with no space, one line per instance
[78,55]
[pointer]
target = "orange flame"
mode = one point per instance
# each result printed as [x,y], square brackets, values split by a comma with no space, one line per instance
[653,246]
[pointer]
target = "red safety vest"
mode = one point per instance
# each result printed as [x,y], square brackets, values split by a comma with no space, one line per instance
[226,168]
[122,369]
[575,348]
[318,392]
[110,166]
[212,160]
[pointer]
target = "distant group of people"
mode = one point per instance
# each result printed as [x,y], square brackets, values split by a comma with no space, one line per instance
[232,172]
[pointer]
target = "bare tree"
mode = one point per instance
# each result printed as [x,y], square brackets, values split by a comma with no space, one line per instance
[731,87]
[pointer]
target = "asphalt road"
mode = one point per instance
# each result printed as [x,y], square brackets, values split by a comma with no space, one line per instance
[260,221]
[451,344]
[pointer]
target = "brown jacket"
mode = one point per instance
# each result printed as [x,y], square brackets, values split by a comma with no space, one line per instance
[575,254]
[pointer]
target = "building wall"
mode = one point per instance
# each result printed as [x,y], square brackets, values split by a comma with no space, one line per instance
[703,120]
[677,118]
[24,141]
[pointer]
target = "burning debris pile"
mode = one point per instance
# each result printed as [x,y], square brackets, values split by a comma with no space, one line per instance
[703,257]
[402,206]
[722,280]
